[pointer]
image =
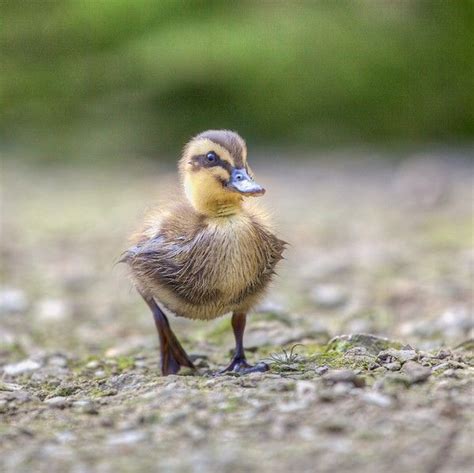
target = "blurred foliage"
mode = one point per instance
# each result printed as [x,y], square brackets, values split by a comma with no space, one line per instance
[89,77]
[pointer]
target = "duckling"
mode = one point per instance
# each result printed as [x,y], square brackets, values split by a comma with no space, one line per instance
[209,253]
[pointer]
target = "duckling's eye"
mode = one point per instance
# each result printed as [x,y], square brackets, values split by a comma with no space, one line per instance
[211,157]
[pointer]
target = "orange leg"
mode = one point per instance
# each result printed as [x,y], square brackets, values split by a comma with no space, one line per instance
[173,356]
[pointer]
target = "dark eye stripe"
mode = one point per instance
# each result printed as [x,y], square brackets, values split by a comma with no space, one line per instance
[226,165]
[200,161]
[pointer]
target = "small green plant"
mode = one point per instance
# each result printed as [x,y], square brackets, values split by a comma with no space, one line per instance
[287,360]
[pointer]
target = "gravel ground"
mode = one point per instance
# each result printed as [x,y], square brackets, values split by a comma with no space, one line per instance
[368,328]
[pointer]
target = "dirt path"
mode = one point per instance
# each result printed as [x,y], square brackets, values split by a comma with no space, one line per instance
[376,247]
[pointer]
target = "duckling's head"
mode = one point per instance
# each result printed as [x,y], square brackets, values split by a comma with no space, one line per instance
[215,173]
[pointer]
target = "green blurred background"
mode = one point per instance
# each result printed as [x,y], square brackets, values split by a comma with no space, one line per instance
[119,78]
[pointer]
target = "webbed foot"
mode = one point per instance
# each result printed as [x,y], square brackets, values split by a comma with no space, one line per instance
[240,365]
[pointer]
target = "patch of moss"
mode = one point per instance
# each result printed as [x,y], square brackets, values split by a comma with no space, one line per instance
[66,390]
[125,363]
[333,359]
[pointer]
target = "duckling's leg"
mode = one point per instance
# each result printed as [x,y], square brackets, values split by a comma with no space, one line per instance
[173,355]
[239,362]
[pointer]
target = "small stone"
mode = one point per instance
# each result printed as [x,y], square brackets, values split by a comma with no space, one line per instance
[25,366]
[395,380]
[416,373]
[376,398]
[393,366]
[455,322]
[342,388]
[451,373]
[65,436]
[392,354]
[86,406]
[9,386]
[334,425]
[305,390]
[343,376]
[360,355]
[291,406]
[12,301]
[440,367]
[92,365]
[373,344]
[307,433]
[442,354]
[52,310]
[57,360]
[58,402]
[321,370]
[20,397]
[126,438]
[328,296]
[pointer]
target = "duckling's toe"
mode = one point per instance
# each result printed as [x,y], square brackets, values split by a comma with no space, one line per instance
[240,365]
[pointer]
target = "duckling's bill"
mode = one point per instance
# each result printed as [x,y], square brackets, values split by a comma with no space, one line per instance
[241,182]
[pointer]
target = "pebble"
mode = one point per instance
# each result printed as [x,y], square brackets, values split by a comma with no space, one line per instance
[65,436]
[343,388]
[328,296]
[57,360]
[25,366]
[455,322]
[12,301]
[416,373]
[126,438]
[321,370]
[373,344]
[376,398]
[58,402]
[92,365]
[343,376]
[9,386]
[393,366]
[305,390]
[86,406]
[52,310]
[292,406]
[402,356]
[451,373]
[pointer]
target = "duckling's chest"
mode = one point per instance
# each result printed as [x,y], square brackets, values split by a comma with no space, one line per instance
[227,254]
[223,266]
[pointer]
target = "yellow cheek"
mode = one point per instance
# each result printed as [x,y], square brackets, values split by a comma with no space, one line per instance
[202,185]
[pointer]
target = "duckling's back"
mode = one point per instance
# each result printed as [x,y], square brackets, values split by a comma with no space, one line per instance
[201,267]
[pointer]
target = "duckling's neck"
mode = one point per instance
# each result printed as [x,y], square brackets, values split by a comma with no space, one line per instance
[218,207]
[211,200]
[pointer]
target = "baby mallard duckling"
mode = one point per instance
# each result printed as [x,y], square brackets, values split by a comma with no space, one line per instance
[209,254]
